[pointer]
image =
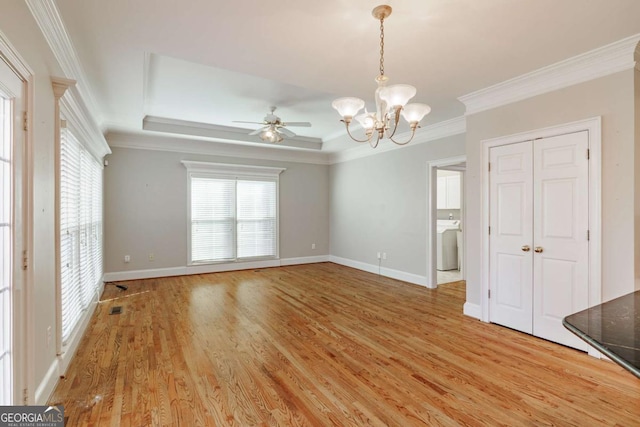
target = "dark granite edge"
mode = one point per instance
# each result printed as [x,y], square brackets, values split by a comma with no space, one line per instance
[603,349]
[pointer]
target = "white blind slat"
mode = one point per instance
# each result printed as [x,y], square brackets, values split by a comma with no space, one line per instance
[80,230]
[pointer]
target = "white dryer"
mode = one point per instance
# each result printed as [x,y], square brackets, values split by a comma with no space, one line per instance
[447,244]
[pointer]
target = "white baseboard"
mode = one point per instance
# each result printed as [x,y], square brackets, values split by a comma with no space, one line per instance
[383,271]
[304,260]
[472,310]
[118,276]
[48,384]
[61,363]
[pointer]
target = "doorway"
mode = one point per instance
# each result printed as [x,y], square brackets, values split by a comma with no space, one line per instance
[445,221]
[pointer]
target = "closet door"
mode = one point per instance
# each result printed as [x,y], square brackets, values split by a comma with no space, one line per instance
[511,222]
[561,247]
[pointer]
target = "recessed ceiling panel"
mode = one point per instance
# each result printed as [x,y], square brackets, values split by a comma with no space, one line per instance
[183,90]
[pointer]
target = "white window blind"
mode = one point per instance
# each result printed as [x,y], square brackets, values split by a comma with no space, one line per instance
[256,218]
[212,219]
[80,230]
[233,219]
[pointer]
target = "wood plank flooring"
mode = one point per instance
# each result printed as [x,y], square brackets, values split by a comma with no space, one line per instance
[323,345]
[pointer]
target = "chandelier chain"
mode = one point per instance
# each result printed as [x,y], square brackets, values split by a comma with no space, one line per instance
[382,47]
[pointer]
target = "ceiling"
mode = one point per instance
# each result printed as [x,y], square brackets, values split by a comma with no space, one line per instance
[214,62]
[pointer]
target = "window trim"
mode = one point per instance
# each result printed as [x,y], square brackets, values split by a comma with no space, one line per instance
[231,172]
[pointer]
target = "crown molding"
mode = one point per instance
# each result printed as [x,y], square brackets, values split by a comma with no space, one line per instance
[213,148]
[78,117]
[433,132]
[207,130]
[596,63]
[52,27]
[14,58]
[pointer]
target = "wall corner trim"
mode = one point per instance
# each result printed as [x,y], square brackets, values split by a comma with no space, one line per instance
[596,63]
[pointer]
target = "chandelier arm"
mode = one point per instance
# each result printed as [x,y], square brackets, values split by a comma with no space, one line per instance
[395,124]
[353,137]
[413,132]
[372,144]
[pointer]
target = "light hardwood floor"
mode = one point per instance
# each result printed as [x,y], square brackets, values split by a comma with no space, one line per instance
[324,345]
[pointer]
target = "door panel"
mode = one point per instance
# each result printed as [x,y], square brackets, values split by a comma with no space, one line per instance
[511,228]
[561,270]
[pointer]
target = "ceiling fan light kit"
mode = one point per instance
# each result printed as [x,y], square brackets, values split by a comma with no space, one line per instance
[391,102]
[274,129]
[270,134]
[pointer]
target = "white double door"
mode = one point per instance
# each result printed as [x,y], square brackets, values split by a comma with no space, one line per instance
[539,247]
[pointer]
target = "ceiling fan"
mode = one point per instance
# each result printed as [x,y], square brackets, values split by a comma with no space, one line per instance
[274,129]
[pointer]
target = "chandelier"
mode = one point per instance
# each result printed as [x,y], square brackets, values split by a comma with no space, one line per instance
[391,102]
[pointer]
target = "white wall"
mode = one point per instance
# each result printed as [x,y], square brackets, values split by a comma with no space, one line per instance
[379,203]
[18,25]
[610,97]
[146,208]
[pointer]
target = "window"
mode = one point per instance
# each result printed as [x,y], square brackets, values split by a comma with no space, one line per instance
[80,230]
[233,217]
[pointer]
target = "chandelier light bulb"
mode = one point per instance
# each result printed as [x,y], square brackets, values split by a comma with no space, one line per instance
[366,120]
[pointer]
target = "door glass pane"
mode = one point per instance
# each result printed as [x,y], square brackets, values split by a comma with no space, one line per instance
[5,252]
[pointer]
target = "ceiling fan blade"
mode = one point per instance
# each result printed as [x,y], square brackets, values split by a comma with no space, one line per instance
[257,131]
[299,124]
[286,132]
[253,123]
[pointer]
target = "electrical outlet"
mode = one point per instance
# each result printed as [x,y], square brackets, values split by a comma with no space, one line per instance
[313,246]
[384,255]
[49,337]
[127,258]
[379,255]
[152,257]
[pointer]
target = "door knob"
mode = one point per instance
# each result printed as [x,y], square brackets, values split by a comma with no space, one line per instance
[526,248]
[538,249]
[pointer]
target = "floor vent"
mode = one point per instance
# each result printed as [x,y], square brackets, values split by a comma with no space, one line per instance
[116,310]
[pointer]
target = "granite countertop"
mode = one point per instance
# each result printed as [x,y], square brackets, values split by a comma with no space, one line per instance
[613,328]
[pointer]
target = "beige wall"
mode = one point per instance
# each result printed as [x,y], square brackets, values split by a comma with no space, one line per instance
[611,98]
[19,27]
[146,208]
[379,203]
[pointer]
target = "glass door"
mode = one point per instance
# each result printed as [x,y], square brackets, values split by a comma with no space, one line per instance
[11,244]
